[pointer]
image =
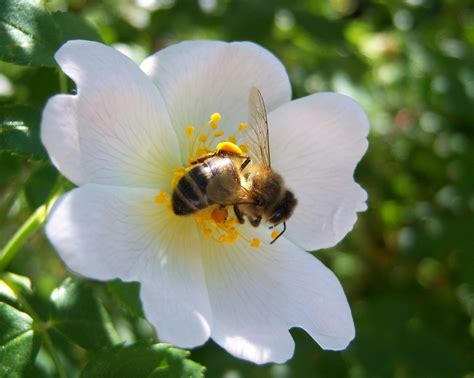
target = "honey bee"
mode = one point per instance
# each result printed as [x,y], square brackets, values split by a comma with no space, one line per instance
[226,177]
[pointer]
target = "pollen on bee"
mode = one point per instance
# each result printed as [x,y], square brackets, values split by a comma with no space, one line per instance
[229,147]
[255,243]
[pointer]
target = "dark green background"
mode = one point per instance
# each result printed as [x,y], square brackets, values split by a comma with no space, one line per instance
[408,266]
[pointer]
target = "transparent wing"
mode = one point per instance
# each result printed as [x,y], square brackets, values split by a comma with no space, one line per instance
[257,133]
[226,189]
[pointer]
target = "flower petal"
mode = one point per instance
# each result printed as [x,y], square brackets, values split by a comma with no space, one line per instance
[116,130]
[106,232]
[316,143]
[199,78]
[256,295]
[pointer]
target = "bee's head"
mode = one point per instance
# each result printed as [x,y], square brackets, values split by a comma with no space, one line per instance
[283,209]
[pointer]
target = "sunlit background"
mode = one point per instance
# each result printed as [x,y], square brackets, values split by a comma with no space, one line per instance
[408,266]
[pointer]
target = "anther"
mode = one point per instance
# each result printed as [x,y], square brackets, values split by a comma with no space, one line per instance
[255,243]
[216,117]
[219,215]
[243,126]
[275,234]
[244,148]
[161,198]
[189,131]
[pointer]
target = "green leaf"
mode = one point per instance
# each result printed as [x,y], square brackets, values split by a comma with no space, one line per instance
[19,132]
[10,166]
[9,294]
[73,27]
[159,360]
[128,293]
[78,315]
[28,34]
[39,185]
[18,343]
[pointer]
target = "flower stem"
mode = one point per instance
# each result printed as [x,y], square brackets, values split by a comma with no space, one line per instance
[52,352]
[62,82]
[31,225]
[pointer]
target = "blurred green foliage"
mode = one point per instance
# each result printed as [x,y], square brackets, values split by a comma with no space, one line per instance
[408,267]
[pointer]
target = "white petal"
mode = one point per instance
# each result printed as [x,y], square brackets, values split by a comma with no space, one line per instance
[199,78]
[316,143]
[258,294]
[106,232]
[116,130]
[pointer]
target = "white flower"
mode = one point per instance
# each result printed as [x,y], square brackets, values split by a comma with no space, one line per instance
[123,137]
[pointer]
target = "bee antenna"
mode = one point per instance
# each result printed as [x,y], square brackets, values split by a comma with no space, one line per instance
[280,234]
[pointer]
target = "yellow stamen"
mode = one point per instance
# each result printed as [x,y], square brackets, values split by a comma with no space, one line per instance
[255,243]
[215,222]
[177,174]
[201,151]
[161,198]
[216,117]
[233,234]
[189,131]
[243,126]
[244,148]
[275,234]
[219,215]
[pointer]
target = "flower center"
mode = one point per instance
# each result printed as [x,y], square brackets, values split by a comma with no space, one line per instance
[215,222]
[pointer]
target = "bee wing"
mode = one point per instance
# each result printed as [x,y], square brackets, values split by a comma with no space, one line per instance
[225,189]
[257,133]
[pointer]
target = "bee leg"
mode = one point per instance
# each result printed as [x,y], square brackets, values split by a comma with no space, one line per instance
[245,163]
[256,221]
[239,214]
[280,234]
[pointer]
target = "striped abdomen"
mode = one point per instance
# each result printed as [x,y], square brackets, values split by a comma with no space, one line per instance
[190,193]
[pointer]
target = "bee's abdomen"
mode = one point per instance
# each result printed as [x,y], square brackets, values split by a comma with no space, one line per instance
[189,195]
